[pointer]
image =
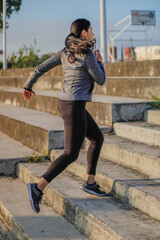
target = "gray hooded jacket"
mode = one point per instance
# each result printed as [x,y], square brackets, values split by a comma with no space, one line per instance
[80,76]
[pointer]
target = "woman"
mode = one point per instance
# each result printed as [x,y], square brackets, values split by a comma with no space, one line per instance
[82,68]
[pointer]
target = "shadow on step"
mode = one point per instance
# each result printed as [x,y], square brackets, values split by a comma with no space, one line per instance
[48,227]
[7,236]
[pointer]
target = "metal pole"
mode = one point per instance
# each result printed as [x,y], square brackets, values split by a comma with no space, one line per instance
[150,42]
[146,49]
[4,35]
[103,29]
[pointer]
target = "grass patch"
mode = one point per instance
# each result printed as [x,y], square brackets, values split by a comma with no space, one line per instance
[38,157]
[157,101]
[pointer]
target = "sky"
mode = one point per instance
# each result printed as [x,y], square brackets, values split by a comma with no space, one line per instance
[48,21]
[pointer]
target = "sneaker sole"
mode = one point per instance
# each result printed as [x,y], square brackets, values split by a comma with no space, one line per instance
[92,192]
[30,197]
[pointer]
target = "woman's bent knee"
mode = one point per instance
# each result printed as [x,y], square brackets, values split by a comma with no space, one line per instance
[99,139]
[71,155]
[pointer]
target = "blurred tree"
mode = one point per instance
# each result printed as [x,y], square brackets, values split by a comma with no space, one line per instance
[11,6]
[26,57]
[11,62]
[44,57]
[122,58]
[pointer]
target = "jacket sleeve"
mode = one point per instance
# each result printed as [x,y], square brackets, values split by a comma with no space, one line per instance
[95,69]
[50,63]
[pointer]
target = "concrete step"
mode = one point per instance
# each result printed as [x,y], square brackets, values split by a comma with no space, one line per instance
[5,233]
[131,187]
[140,132]
[99,218]
[16,211]
[12,152]
[26,72]
[12,81]
[152,116]
[40,131]
[104,109]
[124,86]
[138,156]
[130,86]
[44,83]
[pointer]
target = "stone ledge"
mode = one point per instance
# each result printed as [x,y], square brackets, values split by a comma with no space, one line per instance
[104,109]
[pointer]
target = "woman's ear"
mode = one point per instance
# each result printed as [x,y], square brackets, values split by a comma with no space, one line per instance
[83,33]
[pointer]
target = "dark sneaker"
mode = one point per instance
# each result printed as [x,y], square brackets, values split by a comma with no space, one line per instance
[35,196]
[93,189]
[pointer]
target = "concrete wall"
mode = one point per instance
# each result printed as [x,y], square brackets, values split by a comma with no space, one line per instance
[125,79]
[25,72]
[143,68]
[134,87]
[134,69]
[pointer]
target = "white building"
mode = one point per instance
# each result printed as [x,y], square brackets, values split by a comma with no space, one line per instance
[147,53]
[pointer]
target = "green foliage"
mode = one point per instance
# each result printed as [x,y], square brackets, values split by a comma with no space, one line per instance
[38,157]
[134,55]
[122,58]
[26,57]
[11,6]
[157,101]
[44,57]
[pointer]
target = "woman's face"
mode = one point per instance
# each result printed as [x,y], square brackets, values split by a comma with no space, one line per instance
[88,34]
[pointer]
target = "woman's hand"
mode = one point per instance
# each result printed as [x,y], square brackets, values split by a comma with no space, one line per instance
[98,56]
[27,94]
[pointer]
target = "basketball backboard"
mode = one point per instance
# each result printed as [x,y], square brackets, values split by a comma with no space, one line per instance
[142,17]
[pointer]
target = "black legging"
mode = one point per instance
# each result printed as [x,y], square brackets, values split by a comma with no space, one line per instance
[78,124]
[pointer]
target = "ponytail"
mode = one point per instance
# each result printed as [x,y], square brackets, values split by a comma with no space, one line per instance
[74,43]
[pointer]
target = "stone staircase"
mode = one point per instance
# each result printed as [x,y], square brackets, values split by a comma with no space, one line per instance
[111,109]
[128,168]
